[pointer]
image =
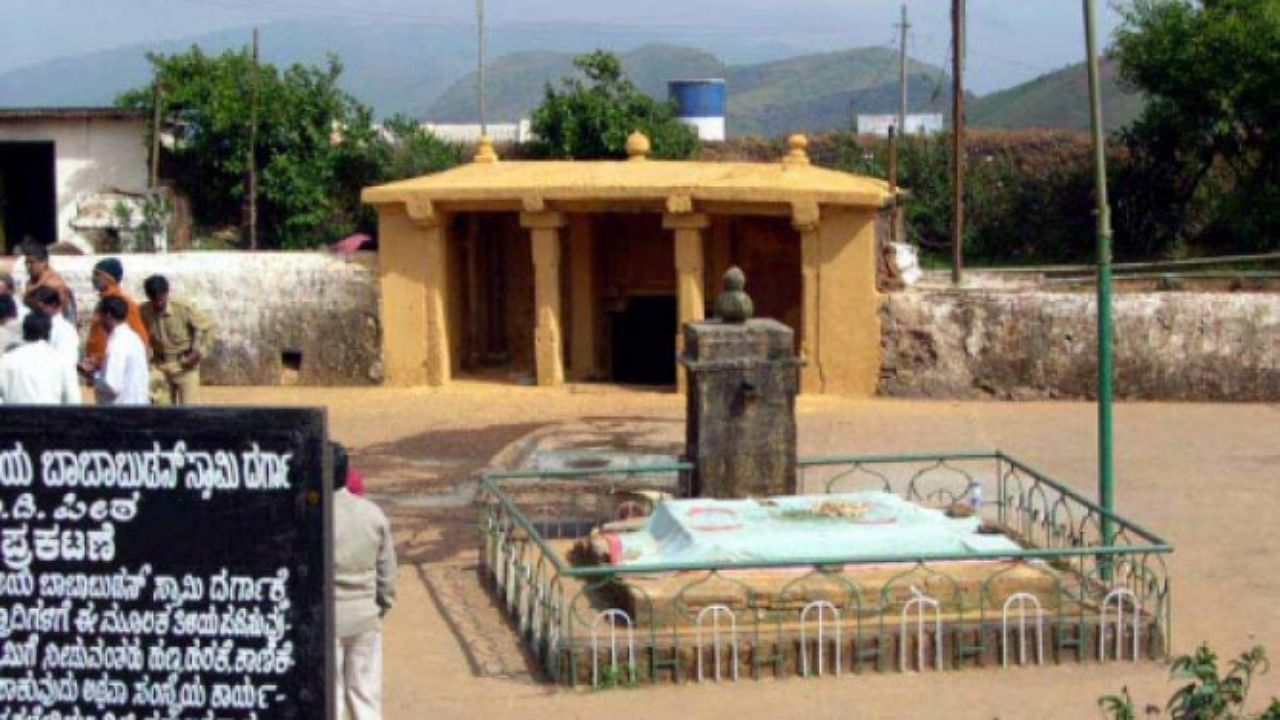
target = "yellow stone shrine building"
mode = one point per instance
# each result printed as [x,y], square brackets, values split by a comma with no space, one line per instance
[585,270]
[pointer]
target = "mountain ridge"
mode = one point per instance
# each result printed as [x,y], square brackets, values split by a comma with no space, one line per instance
[1058,99]
[397,68]
[814,92]
[427,71]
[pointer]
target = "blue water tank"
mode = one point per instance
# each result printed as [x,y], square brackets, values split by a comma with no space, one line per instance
[700,103]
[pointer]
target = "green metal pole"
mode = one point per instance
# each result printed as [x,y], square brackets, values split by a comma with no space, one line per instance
[1106,486]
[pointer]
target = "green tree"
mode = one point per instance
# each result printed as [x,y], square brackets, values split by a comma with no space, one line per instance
[401,149]
[592,114]
[1028,194]
[1205,153]
[410,151]
[316,145]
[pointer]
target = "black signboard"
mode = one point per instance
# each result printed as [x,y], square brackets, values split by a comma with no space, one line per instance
[164,563]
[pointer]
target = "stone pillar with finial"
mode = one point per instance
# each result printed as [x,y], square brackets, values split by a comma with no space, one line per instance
[743,380]
[638,147]
[484,151]
[797,150]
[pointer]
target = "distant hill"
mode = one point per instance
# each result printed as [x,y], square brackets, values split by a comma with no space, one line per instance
[827,91]
[1059,99]
[395,67]
[427,71]
[810,92]
[515,83]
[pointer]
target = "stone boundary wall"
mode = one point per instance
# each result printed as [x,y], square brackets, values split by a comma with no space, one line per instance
[936,343]
[317,308]
[1169,346]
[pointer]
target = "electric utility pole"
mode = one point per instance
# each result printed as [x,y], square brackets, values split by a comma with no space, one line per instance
[157,98]
[902,73]
[484,129]
[957,140]
[252,160]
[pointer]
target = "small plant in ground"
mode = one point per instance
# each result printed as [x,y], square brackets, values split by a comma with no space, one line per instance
[1208,695]
[615,675]
[610,676]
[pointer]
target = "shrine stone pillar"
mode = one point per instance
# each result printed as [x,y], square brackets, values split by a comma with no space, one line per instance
[741,423]
[548,347]
[690,306]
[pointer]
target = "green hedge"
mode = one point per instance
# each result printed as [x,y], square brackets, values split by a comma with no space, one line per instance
[1029,195]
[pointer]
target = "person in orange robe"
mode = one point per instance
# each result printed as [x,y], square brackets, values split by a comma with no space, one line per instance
[107,274]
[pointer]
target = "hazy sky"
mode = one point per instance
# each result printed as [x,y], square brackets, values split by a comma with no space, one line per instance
[1009,40]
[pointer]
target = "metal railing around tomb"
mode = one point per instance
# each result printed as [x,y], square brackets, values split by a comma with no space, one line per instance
[1063,596]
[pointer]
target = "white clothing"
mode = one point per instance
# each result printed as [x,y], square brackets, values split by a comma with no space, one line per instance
[124,378]
[364,588]
[64,338]
[358,676]
[34,373]
[364,564]
[10,335]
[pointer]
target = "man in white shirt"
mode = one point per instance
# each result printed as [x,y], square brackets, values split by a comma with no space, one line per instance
[123,378]
[63,337]
[364,589]
[34,373]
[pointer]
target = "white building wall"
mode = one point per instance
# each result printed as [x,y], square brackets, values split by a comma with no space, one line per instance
[262,305]
[90,155]
[711,129]
[917,124]
[469,133]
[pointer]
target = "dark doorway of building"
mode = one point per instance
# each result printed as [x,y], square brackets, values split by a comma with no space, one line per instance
[492,295]
[28,194]
[644,340]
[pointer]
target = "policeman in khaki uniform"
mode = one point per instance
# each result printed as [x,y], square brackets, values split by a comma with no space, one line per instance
[180,336]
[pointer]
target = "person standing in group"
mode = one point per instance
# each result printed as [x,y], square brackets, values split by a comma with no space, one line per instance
[107,275]
[122,378]
[39,275]
[9,288]
[63,336]
[10,326]
[180,336]
[364,589]
[34,373]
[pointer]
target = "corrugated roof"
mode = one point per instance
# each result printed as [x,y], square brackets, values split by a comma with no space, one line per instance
[70,113]
[648,180]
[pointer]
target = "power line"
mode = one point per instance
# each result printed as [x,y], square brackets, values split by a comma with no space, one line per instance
[860,94]
[441,22]
[938,82]
[326,8]
[1007,61]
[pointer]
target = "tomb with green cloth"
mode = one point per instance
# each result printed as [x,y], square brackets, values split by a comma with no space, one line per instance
[742,558]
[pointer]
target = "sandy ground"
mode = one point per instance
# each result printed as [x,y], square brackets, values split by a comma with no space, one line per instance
[1204,476]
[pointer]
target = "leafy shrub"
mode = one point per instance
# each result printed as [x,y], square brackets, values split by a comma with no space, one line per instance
[1208,694]
[592,115]
[1028,194]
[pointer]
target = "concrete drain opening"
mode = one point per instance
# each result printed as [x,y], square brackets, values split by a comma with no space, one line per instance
[290,366]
